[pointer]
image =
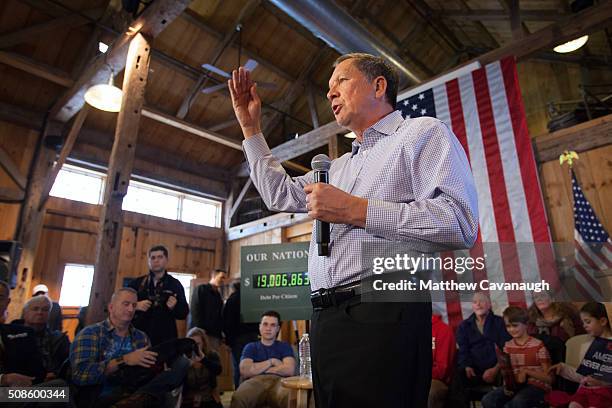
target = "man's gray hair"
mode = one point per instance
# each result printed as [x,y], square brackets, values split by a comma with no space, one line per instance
[38,299]
[121,290]
[372,66]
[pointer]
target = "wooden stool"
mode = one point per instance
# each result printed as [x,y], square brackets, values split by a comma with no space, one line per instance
[300,385]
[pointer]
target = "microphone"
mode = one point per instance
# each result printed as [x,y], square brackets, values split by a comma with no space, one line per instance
[320,164]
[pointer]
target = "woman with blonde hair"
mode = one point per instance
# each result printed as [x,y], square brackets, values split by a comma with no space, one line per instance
[550,318]
[201,382]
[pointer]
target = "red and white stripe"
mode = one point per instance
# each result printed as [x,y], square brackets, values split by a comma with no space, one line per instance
[588,261]
[485,111]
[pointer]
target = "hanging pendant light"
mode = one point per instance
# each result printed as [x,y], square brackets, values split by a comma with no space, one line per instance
[571,45]
[106,97]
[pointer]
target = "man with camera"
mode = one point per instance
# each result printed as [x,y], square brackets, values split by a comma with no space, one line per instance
[161,299]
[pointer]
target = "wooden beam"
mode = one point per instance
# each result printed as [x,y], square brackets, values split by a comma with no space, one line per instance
[295,166]
[582,137]
[516,25]
[36,68]
[151,22]
[299,146]
[585,22]
[247,11]
[95,138]
[12,170]
[280,220]
[501,15]
[190,128]
[312,106]
[64,153]
[332,147]
[238,201]
[11,195]
[224,125]
[119,172]
[30,223]
[24,34]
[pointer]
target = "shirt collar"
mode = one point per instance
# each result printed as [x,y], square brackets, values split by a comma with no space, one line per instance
[384,127]
[109,328]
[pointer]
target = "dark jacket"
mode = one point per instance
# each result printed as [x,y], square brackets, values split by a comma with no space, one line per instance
[478,350]
[20,353]
[159,322]
[55,317]
[201,380]
[206,308]
[53,345]
[233,323]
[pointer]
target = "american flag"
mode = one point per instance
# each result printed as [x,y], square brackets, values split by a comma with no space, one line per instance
[593,246]
[485,111]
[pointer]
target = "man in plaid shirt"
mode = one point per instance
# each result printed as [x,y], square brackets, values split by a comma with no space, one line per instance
[100,350]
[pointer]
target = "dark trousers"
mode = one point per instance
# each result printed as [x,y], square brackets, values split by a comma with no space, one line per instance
[371,355]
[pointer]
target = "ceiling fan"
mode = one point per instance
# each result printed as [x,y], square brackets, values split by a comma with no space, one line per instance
[250,65]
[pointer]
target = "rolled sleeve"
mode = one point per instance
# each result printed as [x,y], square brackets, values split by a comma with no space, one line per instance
[383,219]
[84,354]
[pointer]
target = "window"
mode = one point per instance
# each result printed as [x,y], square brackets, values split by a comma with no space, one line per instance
[80,184]
[185,279]
[76,285]
[153,201]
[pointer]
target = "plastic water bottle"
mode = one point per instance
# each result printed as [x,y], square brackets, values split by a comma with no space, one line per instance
[304,351]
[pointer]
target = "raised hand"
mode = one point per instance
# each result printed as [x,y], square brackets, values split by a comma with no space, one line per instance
[245,101]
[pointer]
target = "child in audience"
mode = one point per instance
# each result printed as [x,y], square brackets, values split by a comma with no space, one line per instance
[592,392]
[200,390]
[530,363]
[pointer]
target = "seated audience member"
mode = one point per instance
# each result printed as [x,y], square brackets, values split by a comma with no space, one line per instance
[20,361]
[592,392]
[201,383]
[262,366]
[530,362]
[53,344]
[100,350]
[550,318]
[443,349]
[55,314]
[477,337]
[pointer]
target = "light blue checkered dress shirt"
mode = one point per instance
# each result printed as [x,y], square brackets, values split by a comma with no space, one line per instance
[419,186]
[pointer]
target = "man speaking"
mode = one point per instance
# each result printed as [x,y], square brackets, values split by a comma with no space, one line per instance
[406,180]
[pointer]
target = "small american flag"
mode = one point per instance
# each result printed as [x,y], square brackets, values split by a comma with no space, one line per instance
[593,246]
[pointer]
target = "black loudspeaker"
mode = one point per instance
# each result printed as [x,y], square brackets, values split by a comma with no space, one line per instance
[10,254]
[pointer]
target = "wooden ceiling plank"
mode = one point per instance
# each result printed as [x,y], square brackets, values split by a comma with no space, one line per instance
[151,22]
[24,34]
[247,11]
[312,106]
[11,195]
[422,8]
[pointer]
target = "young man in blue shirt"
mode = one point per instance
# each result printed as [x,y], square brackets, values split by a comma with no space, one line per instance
[262,365]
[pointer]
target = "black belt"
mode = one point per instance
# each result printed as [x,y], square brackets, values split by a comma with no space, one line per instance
[324,298]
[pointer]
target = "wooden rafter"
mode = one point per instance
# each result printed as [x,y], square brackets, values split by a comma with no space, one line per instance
[36,68]
[151,22]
